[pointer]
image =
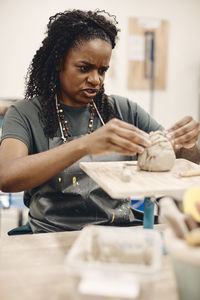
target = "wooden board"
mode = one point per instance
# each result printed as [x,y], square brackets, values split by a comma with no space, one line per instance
[136,67]
[142,183]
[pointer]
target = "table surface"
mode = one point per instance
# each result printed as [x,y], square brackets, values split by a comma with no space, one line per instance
[32,267]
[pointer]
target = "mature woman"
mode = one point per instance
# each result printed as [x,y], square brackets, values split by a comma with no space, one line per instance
[67,118]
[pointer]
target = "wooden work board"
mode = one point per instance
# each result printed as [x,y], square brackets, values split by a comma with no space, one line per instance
[142,184]
[137,61]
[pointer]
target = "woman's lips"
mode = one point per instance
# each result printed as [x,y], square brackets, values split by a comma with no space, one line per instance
[90,93]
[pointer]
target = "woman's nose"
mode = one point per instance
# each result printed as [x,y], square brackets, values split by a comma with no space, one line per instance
[94,78]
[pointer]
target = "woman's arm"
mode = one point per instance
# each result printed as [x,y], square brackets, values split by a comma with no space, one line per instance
[20,171]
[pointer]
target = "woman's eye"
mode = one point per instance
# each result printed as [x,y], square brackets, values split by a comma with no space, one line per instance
[84,68]
[102,71]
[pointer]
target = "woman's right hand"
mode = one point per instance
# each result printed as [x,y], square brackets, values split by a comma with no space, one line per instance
[117,136]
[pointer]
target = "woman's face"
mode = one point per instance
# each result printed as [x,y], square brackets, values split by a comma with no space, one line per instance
[83,72]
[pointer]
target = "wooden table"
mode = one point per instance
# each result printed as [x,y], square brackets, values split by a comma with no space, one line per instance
[32,267]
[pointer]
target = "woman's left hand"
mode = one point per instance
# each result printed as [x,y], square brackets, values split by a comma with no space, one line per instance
[184,133]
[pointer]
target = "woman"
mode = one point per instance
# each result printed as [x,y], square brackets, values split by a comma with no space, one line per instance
[67,118]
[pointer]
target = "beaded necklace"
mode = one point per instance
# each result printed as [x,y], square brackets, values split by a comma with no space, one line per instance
[63,123]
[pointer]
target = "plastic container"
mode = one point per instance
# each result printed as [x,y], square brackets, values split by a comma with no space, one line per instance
[125,249]
[186,264]
[123,254]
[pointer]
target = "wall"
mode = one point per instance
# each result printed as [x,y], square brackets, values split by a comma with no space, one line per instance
[23,23]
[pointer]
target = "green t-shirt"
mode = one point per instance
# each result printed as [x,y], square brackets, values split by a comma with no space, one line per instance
[22,121]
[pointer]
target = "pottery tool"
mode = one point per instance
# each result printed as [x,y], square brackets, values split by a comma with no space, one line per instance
[190,173]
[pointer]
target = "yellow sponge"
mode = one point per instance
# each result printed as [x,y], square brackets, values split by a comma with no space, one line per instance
[191,203]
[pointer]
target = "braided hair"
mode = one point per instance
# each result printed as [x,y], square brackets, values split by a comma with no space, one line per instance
[64,31]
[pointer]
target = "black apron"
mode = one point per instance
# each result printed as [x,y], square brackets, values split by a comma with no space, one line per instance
[72,200]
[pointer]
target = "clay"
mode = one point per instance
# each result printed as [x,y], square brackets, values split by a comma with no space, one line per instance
[126,174]
[159,156]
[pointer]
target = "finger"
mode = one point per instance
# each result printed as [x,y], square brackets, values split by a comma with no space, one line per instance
[180,123]
[188,145]
[125,144]
[126,151]
[187,138]
[125,125]
[135,137]
[129,133]
[192,127]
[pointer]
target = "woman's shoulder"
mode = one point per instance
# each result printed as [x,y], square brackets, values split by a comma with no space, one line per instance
[123,106]
[121,102]
[129,111]
[119,99]
[27,105]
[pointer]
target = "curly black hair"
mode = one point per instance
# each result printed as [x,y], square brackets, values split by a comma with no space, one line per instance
[64,31]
